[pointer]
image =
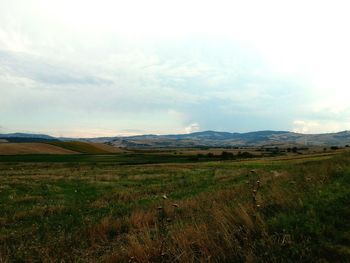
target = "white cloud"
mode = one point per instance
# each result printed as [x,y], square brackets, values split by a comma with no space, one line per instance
[13,41]
[322,126]
[305,126]
[193,127]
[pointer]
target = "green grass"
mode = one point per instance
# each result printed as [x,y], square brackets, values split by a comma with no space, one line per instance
[96,158]
[91,208]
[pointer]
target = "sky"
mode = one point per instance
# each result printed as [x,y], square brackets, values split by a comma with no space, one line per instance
[88,68]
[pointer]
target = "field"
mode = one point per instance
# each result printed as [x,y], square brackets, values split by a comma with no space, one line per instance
[56,147]
[32,148]
[147,207]
[87,148]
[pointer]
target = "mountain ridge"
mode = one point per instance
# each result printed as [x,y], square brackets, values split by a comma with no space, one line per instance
[207,138]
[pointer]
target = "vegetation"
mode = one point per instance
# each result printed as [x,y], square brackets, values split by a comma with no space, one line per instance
[126,158]
[223,156]
[123,159]
[88,210]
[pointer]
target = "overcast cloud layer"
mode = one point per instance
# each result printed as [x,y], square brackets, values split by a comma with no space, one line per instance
[103,68]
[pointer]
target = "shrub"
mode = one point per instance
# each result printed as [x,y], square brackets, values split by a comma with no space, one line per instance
[334,147]
[227,155]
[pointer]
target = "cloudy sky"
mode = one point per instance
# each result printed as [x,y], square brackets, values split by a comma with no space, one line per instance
[101,68]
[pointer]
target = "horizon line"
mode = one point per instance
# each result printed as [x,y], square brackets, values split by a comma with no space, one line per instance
[165,134]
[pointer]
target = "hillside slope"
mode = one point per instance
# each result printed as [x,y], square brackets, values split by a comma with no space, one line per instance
[87,147]
[32,148]
[224,139]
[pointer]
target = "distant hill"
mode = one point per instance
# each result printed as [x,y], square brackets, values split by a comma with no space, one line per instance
[26,137]
[196,139]
[25,143]
[225,139]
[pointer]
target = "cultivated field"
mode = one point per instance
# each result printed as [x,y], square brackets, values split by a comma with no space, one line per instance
[88,147]
[32,148]
[168,208]
[56,148]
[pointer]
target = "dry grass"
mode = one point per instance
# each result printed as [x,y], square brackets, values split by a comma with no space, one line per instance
[25,199]
[196,241]
[225,174]
[105,230]
[39,212]
[107,177]
[141,218]
[148,176]
[99,203]
[32,148]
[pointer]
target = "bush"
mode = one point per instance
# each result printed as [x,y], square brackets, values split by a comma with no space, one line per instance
[245,155]
[227,155]
[334,147]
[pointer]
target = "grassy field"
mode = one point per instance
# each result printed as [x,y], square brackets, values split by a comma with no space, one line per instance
[121,159]
[91,208]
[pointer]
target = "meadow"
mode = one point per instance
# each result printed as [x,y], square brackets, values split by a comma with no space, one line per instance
[169,208]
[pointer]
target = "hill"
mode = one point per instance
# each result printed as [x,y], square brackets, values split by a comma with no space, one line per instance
[197,139]
[224,139]
[26,137]
[32,148]
[87,147]
[56,147]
